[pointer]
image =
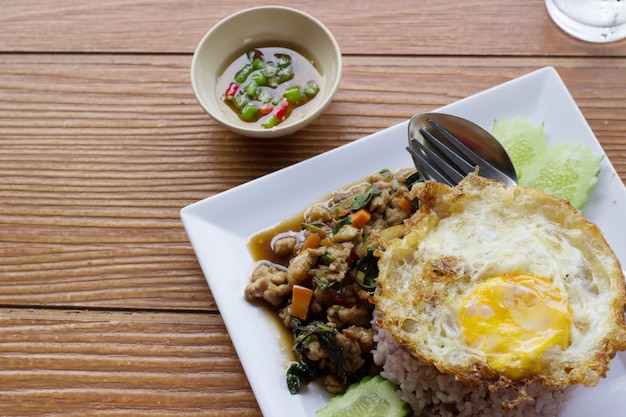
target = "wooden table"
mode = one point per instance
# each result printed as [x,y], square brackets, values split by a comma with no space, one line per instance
[103,308]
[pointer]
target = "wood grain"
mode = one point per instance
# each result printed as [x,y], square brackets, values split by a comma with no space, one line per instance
[86,363]
[96,167]
[400,27]
[104,310]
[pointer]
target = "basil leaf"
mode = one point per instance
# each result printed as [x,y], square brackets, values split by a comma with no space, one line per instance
[367,270]
[362,200]
[413,179]
[305,370]
[325,285]
[341,223]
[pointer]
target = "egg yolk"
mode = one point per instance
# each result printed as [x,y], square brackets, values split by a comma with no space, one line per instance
[514,320]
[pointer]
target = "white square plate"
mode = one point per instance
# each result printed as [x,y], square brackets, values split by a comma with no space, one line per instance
[219,228]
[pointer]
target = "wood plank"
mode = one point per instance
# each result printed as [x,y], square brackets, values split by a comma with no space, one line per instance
[95,165]
[403,27]
[86,363]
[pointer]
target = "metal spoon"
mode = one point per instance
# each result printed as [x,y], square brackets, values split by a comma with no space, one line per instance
[446,148]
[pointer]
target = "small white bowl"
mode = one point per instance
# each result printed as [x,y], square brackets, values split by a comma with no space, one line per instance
[258,27]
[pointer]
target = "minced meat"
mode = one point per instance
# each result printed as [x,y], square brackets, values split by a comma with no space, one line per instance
[340,269]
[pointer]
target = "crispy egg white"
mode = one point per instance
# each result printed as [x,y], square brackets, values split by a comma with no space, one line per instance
[503,285]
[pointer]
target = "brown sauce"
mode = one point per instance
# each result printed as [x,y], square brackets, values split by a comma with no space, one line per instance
[259,244]
[260,249]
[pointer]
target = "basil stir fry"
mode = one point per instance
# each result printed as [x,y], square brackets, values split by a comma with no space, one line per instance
[318,272]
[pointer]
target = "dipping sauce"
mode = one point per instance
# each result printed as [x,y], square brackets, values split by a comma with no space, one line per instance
[266,86]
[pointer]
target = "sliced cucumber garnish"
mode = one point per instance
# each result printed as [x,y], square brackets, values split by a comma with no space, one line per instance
[564,170]
[371,397]
[522,139]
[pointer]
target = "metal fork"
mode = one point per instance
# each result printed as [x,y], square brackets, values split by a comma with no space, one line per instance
[448,153]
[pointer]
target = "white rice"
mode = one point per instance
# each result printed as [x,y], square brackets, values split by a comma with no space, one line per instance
[433,394]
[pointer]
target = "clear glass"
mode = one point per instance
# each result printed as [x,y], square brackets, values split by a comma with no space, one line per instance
[590,20]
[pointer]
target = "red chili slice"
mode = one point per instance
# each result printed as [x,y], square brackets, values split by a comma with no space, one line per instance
[281,110]
[266,108]
[231,91]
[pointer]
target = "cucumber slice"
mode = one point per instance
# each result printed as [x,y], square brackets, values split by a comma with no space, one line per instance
[522,140]
[566,171]
[372,397]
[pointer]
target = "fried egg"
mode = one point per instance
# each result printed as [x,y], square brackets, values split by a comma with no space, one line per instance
[503,285]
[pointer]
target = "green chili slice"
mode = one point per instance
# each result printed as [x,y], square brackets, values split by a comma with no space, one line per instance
[311,89]
[293,95]
[249,112]
[242,74]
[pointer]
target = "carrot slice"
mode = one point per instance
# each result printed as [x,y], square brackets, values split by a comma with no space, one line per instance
[312,241]
[360,217]
[405,202]
[300,300]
